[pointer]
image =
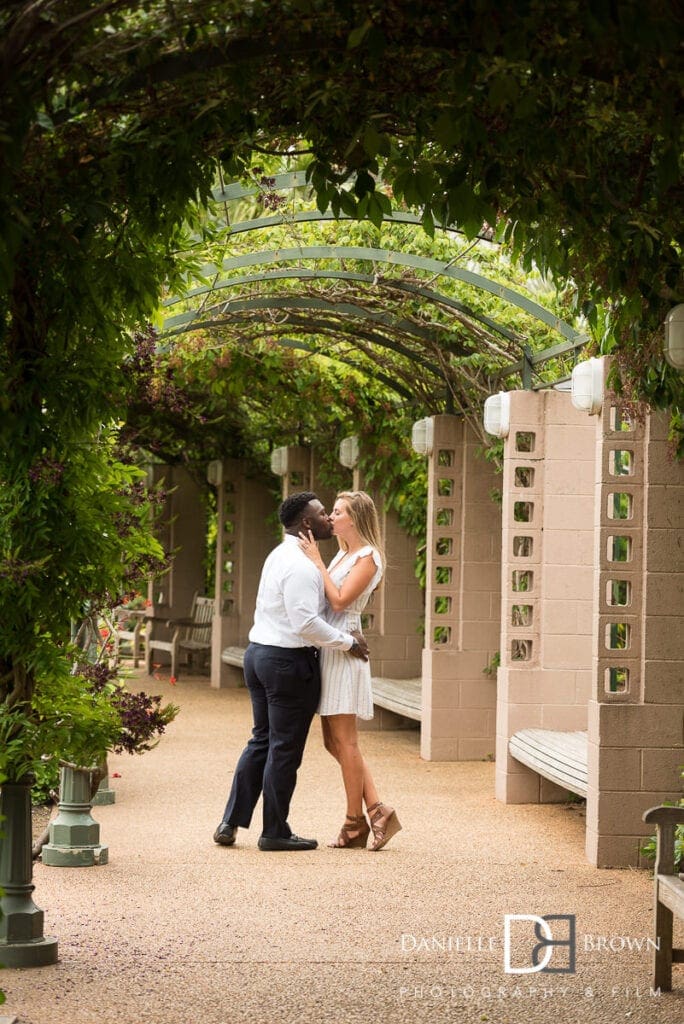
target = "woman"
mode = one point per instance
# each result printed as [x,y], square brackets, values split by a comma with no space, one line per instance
[346,693]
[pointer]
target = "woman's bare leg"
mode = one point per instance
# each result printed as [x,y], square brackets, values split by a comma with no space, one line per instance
[340,737]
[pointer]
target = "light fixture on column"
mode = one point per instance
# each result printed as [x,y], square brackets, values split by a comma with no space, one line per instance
[279,461]
[422,436]
[587,386]
[215,472]
[674,337]
[497,414]
[349,451]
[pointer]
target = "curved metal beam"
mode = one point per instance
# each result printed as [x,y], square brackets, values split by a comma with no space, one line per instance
[236,190]
[363,253]
[389,382]
[301,273]
[311,302]
[297,179]
[304,216]
[229,309]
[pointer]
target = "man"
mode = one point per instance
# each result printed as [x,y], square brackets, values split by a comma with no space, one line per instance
[282,673]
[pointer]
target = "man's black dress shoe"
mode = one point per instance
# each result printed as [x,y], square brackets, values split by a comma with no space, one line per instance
[225,834]
[292,842]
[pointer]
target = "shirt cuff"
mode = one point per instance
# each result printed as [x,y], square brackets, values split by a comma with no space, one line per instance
[349,641]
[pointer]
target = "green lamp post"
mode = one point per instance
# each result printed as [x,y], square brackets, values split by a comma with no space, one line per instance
[22,943]
[74,834]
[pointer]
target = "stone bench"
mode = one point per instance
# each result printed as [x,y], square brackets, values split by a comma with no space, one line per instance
[560,757]
[402,696]
[668,896]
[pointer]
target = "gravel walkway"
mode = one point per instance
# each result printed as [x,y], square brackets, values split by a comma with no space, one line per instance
[175,929]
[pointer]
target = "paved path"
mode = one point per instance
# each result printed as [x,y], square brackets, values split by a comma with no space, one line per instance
[176,929]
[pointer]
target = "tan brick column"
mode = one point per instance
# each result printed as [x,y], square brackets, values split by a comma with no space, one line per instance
[636,711]
[463,598]
[183,531]
[244,535]
[547,581]
[292,464]
[394,614]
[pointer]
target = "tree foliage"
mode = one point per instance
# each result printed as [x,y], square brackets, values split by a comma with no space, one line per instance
[556,124]
[559,123]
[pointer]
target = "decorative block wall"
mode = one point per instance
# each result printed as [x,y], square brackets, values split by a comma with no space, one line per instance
[636,710]
[544,680]
[593,610]
[463,598]
[394,615]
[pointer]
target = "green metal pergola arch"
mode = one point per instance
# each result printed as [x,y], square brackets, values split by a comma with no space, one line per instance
[238,307]
[290,180]
[480,326]
[301,273]
[375,374]
[349,309]
[364,253]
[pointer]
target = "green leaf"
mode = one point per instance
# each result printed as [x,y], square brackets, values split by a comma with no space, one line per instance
[364,183]
[428,223]
[45,121]
[348,203]
[357,35]
[374,213]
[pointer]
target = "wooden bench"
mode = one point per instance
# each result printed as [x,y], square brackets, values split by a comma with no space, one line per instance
[233,656]
[560,757]
[192,635]
[134,636]
[403,696]
[669,894]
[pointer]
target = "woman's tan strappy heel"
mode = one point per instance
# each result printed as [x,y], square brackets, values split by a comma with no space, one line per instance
[385,824]
[353,834]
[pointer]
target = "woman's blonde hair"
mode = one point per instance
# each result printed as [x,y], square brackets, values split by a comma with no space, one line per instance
[364,516]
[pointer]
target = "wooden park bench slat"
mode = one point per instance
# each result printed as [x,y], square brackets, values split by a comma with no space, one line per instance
[233,656]
[192,635]
[560,757]
[135,636]
[668,900]
[403,696]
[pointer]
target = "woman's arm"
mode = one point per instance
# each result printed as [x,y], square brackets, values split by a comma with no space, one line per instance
[353,584]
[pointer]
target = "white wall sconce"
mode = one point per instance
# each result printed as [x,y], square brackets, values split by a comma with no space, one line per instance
[215,472]
[349,451]
[279,461]
[497,414]
[422,436]
[674,337]
[586,393]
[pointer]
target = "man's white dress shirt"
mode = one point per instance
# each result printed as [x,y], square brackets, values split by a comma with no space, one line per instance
[290,602]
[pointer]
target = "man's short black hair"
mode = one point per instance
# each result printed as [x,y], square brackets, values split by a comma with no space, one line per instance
[291,509]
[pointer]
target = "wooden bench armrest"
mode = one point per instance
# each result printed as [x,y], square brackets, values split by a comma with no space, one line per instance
[666,820]
[183,622]
[664,816]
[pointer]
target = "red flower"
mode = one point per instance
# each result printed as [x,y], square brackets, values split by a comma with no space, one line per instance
[172,680]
